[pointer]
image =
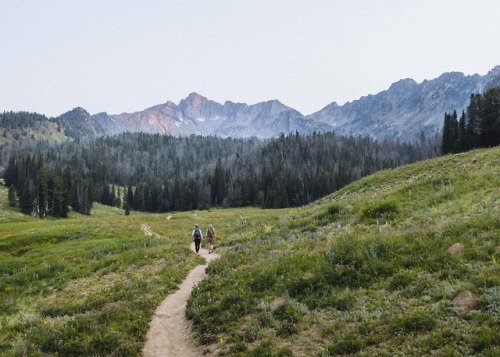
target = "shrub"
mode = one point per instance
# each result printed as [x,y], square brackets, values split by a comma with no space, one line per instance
[490,303]
[263,350]
[401,280]
[339,299]
[417,322]
[284,352]
[383,210]
[238,346]
[290,310]
[348,252]
[331,212]
[266,319]
[334,209]
[350,343]
[485,339]
[286,329]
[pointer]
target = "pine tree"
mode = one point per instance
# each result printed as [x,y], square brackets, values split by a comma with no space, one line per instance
[454,132]
[10,174]
[489,124]
[82,196]
[472,126]
[129,199]
[26,200]
[42,208]
[118,199]
[12,196]
[450,133]
[218,184]
[462,134]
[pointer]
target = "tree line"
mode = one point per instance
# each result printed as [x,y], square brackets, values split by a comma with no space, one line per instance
[159,173]
[477,127]
[41,191]
[14,120]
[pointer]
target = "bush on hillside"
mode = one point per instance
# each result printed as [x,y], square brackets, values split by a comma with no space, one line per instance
[381,211]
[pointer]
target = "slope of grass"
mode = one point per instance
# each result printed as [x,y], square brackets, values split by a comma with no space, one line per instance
[366,270]
[46,131]
[88,285]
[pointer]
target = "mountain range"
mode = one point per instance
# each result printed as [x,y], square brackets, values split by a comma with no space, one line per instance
[404,111]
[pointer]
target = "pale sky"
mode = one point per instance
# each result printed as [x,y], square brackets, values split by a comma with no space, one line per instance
[124,55]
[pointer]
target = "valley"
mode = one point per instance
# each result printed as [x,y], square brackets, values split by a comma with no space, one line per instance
[365,270]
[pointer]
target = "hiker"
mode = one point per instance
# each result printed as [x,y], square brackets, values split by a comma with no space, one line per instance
[197,236]
[210,238]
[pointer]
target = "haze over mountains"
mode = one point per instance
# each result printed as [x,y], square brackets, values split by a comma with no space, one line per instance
[403,111]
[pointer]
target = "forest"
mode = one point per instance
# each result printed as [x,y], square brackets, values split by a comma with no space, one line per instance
[478,126]
[159,173]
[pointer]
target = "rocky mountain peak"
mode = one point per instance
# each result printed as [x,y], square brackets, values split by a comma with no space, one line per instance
[194,99]
[169,108]
[404,111]
[403,85]
[495,71]
[77,113]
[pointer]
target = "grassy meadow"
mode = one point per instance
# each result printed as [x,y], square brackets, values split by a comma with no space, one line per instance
[364,271]
[367,270]
[88,285]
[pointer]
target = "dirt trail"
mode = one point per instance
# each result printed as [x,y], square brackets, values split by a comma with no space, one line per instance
[169,331]
[147,230]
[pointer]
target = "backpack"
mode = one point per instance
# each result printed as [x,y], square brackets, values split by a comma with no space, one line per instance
[210,233]
[197,233]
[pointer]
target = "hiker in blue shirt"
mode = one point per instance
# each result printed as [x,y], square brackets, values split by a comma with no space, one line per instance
[197,236]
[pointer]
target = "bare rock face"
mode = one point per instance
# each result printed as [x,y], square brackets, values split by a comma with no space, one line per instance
[464,301]
[455,249]
[407,108]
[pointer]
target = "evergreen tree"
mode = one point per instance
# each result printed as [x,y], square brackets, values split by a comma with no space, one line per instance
[118,200]
[26,200]
[450,133]
[82,196]
[446,141]
[473,121]
[10,174]
[42,199]
[489,124]
[218,184]
[129,198]
[12,196]
[479,128]
[57,197]
[454,132]
[462,134]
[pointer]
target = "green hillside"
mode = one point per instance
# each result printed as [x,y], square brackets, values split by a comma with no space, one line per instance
[368,270]
[23,126]
[44,131]
[364,271]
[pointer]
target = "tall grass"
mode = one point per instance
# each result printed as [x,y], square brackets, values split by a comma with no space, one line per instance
[88,285]
[366,270]
[363,271]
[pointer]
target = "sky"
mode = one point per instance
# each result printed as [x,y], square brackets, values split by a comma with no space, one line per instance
[127,55]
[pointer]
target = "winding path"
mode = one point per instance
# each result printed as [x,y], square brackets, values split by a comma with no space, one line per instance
[169,331]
